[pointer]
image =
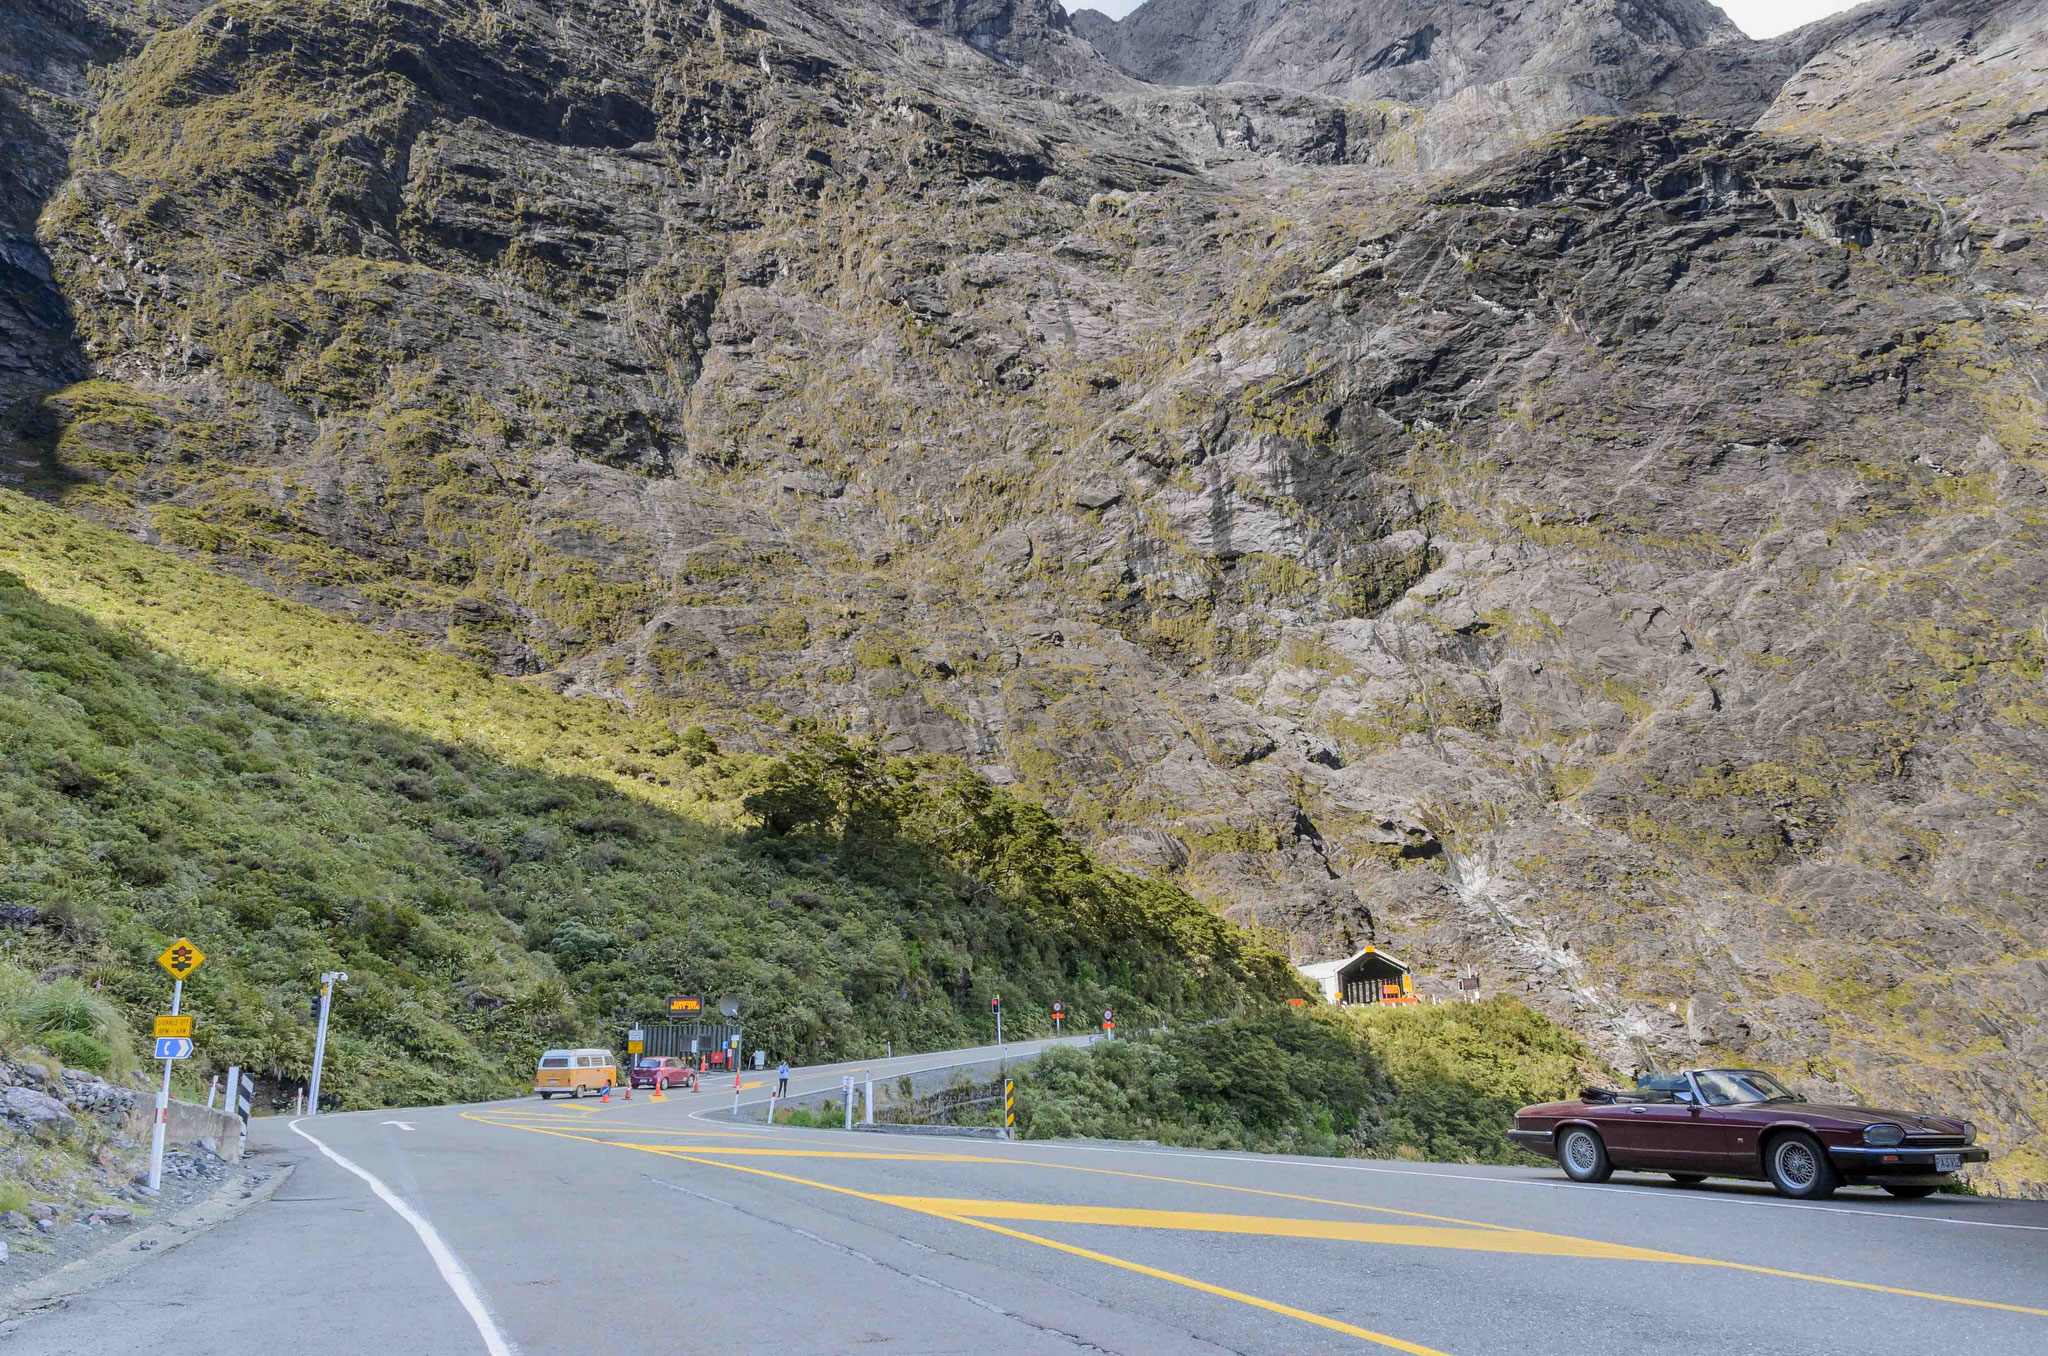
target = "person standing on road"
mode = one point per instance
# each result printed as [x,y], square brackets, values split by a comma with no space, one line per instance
[782,1079]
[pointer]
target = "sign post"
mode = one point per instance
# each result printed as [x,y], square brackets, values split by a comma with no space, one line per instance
[995,1005]
[1108,1022]
[1059,1011]
[180,959]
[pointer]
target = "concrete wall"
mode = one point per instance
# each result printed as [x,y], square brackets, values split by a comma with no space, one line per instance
[187,1123]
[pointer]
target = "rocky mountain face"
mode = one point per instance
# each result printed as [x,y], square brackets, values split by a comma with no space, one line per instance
[1605,555]
[1464,80]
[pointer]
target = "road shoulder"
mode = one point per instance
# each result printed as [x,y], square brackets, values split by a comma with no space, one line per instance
[241,1192]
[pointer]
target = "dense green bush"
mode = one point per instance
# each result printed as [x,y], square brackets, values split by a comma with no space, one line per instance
[1436,1082]
[75,1050]
[63,1018]
[1462,1070]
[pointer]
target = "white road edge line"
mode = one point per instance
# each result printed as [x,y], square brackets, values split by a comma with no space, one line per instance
[452,1270]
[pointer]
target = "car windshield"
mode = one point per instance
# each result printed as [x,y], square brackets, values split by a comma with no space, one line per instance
[1727,1087]
[650,1061]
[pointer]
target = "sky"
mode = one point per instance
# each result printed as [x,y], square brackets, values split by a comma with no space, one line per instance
[1758,18]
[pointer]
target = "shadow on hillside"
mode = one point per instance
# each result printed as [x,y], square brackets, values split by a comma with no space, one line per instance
[481,909]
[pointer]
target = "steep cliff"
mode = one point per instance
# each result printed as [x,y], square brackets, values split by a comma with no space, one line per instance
[1614,565]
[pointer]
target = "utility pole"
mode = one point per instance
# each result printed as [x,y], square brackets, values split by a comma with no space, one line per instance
[327,983]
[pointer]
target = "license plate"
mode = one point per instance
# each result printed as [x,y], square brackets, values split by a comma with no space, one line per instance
[1947,1162]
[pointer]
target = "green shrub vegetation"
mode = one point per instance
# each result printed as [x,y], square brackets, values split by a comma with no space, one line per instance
[1439,1082]
[496,867]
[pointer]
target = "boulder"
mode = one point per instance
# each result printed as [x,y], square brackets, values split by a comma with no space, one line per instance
[36,1113]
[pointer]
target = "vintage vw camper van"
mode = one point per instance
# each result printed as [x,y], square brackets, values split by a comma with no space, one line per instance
[573,1072]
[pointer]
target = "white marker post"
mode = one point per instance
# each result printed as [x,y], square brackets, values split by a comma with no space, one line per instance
[163,1105]
[327,983]
[846,1086]
[867,1102]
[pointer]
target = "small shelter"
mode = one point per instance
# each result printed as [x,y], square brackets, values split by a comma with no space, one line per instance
[1371,976]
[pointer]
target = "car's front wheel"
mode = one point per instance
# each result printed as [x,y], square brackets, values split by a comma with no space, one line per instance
[1583,1155]
[1910,1193]
[1799,1167]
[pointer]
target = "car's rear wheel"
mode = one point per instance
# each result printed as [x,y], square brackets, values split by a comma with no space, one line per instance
[544,1096]
[1583,1156]
[1687,1178]
[1910,1193]
[1799,1167]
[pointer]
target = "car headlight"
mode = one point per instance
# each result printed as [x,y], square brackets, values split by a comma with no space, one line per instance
[1969,1132]
[1884,1135]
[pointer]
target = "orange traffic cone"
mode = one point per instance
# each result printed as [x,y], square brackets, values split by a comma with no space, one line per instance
[607,1094]
[629,1089]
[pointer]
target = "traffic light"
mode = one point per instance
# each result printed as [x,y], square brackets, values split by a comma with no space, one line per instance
[996,1004]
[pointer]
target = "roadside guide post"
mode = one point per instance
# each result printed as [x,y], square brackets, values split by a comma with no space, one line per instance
[327,983]
[846,1086]
[867,1102]
[1009,1108]
[212,1090]
[240,1097]
[173,1042]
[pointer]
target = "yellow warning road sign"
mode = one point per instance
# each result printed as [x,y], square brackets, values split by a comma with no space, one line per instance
[173,1026]
[634,1047]
[181,958]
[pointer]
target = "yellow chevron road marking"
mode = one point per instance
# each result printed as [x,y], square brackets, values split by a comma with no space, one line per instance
[1281,1226]
[1255,1301]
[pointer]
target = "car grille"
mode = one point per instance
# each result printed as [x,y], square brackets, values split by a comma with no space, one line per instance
[1926,1140]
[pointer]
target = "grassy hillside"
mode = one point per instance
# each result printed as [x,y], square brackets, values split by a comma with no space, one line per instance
[498,867]
[1434,1082]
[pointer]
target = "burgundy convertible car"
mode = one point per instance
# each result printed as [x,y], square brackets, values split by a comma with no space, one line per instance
[1744,1123]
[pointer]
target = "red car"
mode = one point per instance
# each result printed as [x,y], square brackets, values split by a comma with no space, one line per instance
[663,1072]
[1744,1123]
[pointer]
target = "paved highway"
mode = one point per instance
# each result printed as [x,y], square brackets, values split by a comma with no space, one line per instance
[656,1227]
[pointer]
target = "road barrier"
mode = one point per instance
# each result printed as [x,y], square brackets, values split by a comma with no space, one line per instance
[943,1099]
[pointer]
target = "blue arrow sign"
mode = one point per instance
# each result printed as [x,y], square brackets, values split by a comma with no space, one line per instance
[173,1047]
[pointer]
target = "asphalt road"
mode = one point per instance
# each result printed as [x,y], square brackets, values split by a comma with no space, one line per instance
[658,1227]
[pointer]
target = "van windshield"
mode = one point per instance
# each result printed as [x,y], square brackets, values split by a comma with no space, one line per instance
[556,1063]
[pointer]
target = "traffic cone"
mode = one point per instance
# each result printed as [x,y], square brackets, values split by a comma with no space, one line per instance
[607,1094]
[629,1089]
